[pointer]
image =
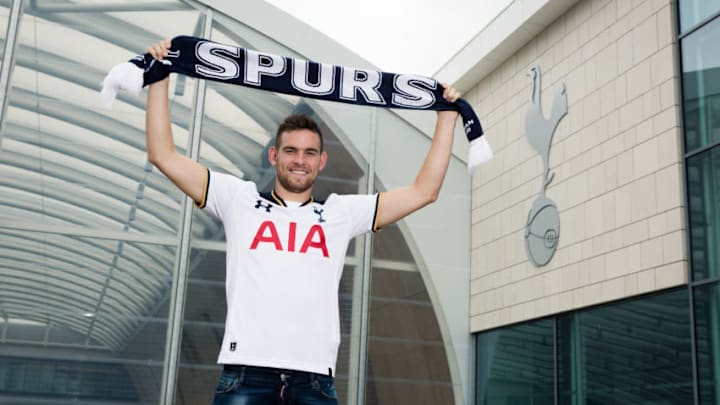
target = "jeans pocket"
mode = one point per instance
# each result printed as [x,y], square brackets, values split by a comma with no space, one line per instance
[228,382]
[325,386]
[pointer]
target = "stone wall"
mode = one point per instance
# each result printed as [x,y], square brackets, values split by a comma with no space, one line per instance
[616,158]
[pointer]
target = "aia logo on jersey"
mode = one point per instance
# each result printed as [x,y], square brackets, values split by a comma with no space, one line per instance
[267,233]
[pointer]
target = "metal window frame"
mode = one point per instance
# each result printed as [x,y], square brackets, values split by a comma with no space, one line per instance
[178,292]
[686,155]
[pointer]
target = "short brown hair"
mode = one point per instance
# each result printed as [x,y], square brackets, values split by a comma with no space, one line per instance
[295,122]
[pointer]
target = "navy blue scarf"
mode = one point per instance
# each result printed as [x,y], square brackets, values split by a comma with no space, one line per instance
[203,59]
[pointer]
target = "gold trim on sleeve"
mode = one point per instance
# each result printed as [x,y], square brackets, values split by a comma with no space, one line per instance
[202,202]
[375,227]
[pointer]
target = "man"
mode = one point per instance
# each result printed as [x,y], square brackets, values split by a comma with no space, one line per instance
[285,251]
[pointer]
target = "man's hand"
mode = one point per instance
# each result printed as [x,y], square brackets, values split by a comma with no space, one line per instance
[450,94]
[159,50]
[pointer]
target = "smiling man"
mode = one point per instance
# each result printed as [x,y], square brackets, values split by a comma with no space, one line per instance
[298,155]
[286,251]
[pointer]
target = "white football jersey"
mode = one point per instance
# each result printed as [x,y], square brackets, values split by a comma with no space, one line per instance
[283,272]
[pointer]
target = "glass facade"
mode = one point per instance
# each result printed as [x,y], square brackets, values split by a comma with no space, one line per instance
[634,351]
[693,12]
[701,106]
[707,335]
[701,87]
[516,364]
[703,170]
[101,285]
[700,33]
[406,356]
[630,352]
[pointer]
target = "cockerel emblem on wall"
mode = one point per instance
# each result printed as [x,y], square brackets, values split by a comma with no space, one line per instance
[542,230]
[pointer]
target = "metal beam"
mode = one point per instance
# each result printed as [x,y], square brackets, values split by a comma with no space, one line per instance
[8,59]
[155,239]
[107,7]
[357,378]
[180,276]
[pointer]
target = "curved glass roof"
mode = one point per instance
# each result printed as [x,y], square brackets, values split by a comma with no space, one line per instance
[77,172]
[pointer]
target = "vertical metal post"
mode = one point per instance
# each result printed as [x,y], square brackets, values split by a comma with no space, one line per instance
[356,314]
[686,200]
[361,294]
[693,343]
[182,256]
[8,59]
[556,362]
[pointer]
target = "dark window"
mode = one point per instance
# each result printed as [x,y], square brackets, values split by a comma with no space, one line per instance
[707,336]
[631,352]
[516,365]
[703,187]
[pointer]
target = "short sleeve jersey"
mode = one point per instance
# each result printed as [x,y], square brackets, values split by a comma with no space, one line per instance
[283,272]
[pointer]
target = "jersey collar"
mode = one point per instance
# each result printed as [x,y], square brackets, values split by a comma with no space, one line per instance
[278,200]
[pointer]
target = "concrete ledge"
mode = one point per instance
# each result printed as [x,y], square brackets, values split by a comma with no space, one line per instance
[517,24]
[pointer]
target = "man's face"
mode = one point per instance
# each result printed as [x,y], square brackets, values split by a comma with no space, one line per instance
[298,160]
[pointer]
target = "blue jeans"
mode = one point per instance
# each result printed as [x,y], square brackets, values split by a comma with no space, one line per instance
[248,385]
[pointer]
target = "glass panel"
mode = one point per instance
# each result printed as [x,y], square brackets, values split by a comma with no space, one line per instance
[707,335]
[515,365]
[83,319]
[346,302]
[694,11]
[4,17]
[85,316]
[128,4]
[389,244]
[701,87]
[55,380]
[67,161]
[407,362]
[202,329]
[703,185]
[631,352]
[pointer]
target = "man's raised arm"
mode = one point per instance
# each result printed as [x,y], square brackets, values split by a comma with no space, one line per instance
[397,203]
[188,175]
